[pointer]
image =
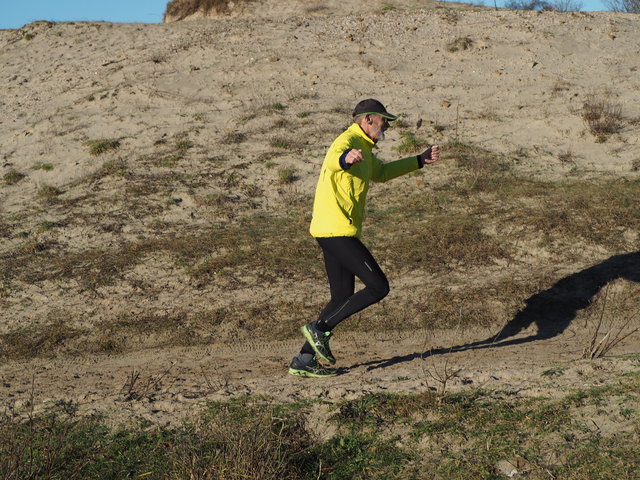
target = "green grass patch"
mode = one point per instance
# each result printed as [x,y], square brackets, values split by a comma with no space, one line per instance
[42,166]
[286,175]
[411,144]
[49,225]
[286,143]
[277,107]
[12,177]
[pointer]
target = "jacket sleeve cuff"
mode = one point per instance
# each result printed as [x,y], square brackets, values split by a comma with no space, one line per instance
[420,161]
[343,163]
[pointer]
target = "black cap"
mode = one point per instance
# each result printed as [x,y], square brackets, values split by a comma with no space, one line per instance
[371,105]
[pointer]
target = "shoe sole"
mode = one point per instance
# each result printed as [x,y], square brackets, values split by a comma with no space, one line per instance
[307,335]
[304,373]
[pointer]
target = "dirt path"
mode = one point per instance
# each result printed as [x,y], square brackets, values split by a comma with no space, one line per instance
[168,385]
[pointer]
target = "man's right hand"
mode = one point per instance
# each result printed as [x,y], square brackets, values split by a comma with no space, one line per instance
[354,156]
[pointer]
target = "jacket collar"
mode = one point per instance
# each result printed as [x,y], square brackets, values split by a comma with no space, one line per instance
[357,130]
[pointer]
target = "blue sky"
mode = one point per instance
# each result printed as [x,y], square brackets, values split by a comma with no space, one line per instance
[16,13]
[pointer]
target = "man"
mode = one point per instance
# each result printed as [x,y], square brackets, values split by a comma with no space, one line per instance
[338,211]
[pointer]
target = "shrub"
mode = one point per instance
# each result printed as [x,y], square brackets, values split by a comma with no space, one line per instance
[181,9]
[602,116]
[558,5]
[626,6]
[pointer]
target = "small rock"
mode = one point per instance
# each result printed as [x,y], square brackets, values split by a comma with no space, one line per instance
[506,468]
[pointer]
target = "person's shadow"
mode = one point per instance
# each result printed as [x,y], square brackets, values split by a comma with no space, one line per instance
[552,310]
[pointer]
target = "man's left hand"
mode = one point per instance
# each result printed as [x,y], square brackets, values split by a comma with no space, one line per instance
[430,155]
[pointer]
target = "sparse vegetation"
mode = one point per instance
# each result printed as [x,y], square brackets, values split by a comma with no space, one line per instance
[464,436]
[567,157]
[99,147]
[12,177]
[277,107]
[184,145]
[49,225]
[446,229]
[115,167]
[284,143]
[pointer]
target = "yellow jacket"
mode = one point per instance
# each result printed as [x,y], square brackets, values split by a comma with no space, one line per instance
[339,204]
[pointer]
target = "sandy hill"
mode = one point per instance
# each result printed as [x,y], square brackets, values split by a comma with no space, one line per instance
[157,181]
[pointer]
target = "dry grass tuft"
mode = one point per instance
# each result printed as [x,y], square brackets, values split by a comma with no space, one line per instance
[98,147]
[49,192]
[601,116]
[462,43]
[616,320]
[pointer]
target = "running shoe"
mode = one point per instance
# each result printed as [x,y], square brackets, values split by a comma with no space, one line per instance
[312,369]
[319,341]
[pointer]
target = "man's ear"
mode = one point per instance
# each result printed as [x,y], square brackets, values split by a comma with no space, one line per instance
[368,118]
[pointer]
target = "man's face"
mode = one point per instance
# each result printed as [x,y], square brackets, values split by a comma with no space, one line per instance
[378,126]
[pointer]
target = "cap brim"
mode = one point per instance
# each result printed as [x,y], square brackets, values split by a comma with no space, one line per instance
[388,116]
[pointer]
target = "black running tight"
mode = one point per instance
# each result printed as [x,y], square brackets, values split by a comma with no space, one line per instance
[346,258]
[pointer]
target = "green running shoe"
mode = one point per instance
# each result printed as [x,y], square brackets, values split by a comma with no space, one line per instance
[319,341]
[313,369]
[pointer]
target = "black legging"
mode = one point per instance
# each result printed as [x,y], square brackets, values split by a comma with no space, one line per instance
[346,258]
